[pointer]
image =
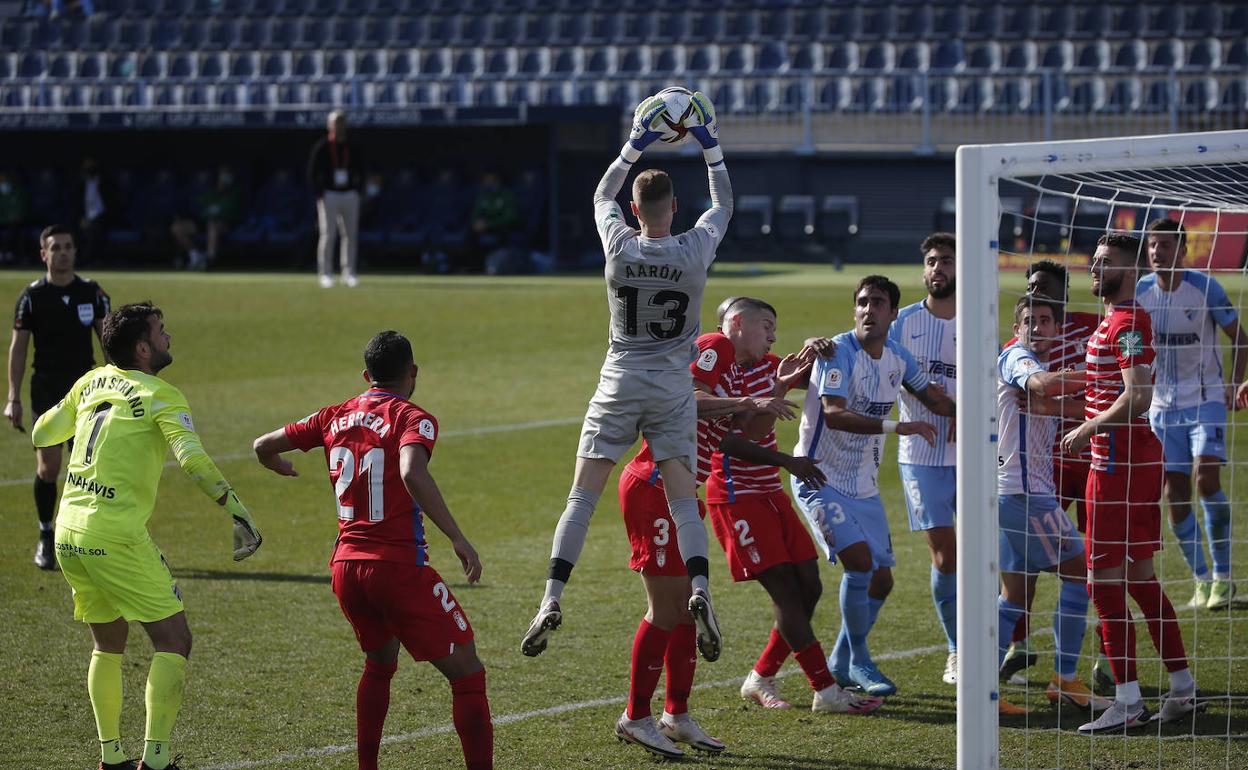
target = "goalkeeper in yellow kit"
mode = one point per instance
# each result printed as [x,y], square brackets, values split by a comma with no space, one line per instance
[123,419]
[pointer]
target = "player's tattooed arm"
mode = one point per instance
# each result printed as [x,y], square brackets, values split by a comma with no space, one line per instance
[414,467]
[269,448]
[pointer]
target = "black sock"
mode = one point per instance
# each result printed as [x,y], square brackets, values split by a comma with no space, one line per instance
[45,500]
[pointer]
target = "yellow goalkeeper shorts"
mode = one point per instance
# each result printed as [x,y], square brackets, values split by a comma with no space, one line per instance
[112,580]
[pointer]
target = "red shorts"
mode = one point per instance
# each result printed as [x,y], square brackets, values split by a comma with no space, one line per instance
[1124,515]
[760,531]
[384,599]
[651,531]
[1072,487]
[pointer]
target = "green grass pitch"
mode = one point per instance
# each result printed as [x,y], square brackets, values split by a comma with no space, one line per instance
[507,365]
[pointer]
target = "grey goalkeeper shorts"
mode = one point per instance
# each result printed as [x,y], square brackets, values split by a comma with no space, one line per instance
[657,404]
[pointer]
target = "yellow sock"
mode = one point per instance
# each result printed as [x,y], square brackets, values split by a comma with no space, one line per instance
[104,689]
[164,698]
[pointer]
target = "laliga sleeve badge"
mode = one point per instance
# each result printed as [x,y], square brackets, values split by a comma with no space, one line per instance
[708,359]
[426,429]
[833,378]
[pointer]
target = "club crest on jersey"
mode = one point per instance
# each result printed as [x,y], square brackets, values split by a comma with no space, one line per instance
[706,361]
[660,557]
[833,379]
[426,429]
[185,419]
[894,377]
[1131,343]
[86,313]
[459,621]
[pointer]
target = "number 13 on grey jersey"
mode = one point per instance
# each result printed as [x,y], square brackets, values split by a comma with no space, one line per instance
[654,289]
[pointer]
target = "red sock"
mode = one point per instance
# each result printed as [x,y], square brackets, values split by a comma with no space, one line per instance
[681,660]
[815,664]
[1163,626]
[1117,628]
[773,656]
[372,701]
[1021,628]
[470,711]
[647,664]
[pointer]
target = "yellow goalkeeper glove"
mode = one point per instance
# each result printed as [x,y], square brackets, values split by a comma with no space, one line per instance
[246,536]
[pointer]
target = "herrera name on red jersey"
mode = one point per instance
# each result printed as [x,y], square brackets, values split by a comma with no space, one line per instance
[377,517]
[1121,341]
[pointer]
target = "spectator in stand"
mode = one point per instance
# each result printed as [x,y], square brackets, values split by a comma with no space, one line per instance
[92,200]
[494,216]
[219,207]
[336,174]
[14,205]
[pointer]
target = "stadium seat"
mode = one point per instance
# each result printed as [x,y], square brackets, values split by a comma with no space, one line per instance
[565,61]
[914,23]
[121,66]
[702,59]
[565,29]
[212,66]
[1236,57]
[661,27]
[309,64]
[376,32]
[1167,55]
[182,66]
[489,94]
[984,23]
[1164,20]
[435,62]
[339,64]
[310,33]
[90,66]
[632,60]
[501,29]
[915,57]
[166,95]
[536,61]
[1204,55]
[275,65]
[1125,95]
[399,65]
[1131,55]
[60,66]
[1200,96]
[194,33]
[739,26]
[248,33]
[198,95]
[1052,94]
[100,36]
[1160,97]
[537,29]
[1094,57]
[1234,97]
[131,36]
[879,57]
[950,22]
[1022,57]
[1087,95]
[1019,21]
[244,65]
[598,61]
[500,62]
[105,96]
[1203,19]
[985,57]
[165,34]
[703,26]
[879,22]
[834,94]
[761,96]
[905,93]
[1125,21]
[868,95]
[771,58]
[326,95]
[153,65]
[1059,56]
[1012,96]
[774,25]
[806,24]
[230,96]
[33,64]
[468,62]
[975,95]
[948,56]
[383,94]
[344,32]
[291,93]
[278,33]
[467,30]
[840,58]
[736,59]
[1054,22]
[839,23]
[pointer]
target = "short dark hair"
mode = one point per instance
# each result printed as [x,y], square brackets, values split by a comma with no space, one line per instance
[883,284]
[740,304]
[1166,225]
[652,186]
[387,356]
[52,230]
[937,241]
[1038,300]
[1052,268]
[123,329]
[1123,242]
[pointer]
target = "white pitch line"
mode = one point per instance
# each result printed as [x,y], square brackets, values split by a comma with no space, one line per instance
[484,430]
[521,716]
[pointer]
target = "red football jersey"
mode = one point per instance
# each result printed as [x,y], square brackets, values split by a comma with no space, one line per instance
[729,476]
[377,518]
[1123,340]
[716,357]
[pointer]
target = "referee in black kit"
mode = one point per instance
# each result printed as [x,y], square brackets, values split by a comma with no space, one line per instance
[60,310]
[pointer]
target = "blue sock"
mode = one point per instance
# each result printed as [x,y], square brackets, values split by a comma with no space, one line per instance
[839,659]
[1188,535]
[874,605]
[945,597]
[1218,523]
[1070,621]
[856,615]
[1008,614]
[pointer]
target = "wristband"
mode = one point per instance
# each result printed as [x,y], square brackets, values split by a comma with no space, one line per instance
[713,155]
[888,426]
[629,153]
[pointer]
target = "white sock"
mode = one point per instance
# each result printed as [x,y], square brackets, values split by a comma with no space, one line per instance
[1128,693]
[1181,682]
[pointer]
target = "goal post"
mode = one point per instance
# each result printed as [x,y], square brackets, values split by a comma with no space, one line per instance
[1122,166]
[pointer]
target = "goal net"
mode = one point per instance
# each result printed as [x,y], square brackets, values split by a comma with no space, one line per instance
[1018,204]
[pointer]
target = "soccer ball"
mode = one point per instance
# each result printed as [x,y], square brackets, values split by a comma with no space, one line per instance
[679,110]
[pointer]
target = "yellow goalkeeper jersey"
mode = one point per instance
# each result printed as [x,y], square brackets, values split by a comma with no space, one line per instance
[123,422]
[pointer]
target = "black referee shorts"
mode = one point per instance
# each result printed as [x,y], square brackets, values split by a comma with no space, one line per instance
[47,390]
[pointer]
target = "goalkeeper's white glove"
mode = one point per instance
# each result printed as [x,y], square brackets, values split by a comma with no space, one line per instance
[643,134]
[704,125]
[246,536]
